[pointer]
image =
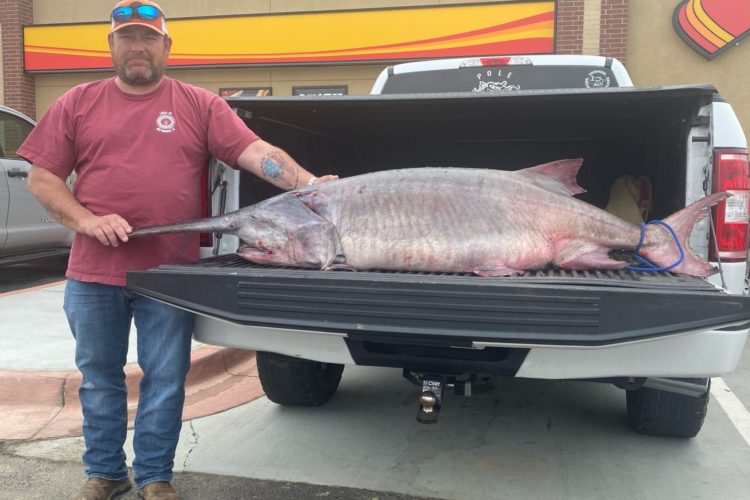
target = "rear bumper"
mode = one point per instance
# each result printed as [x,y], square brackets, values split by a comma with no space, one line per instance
[705,353]
[550,324]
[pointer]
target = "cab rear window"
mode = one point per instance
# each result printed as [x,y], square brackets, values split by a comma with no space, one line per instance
[500,79]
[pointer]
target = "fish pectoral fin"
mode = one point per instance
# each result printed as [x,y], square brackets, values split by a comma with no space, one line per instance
[316,203]
[339,264]
[585,255]
[497,272]
[339,267]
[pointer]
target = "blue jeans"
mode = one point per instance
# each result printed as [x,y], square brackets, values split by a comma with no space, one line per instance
[99,317]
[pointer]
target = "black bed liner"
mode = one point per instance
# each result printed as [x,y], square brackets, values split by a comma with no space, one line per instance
[544,307]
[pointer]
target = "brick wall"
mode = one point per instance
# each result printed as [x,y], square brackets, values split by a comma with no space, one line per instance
[569,27]
[613,40]
[18,87]
[613,22]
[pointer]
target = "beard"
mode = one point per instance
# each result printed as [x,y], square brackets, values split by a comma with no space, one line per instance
[141,76]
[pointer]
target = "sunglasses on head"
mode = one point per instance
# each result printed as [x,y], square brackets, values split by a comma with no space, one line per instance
[126,13]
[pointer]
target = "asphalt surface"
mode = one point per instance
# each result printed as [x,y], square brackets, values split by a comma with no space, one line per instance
[35,479]
[521,438]
[32,273]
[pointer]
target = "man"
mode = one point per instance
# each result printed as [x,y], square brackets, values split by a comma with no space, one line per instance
[138,143]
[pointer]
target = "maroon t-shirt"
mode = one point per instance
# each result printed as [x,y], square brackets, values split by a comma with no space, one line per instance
[139,156]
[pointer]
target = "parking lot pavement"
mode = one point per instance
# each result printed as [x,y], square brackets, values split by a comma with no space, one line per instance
[522,439]
[526,439]
[32,273]
[39,380]
[33,479]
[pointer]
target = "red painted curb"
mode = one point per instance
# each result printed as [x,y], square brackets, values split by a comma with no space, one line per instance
[42,405]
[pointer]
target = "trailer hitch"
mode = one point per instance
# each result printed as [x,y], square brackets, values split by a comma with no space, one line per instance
[433,386]
[431,399]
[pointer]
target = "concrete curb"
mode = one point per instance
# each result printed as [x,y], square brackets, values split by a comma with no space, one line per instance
[42,405]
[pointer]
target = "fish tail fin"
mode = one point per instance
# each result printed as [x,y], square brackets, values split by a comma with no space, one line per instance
[659,246]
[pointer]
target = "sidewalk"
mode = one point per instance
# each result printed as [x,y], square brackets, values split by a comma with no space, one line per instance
[39,382]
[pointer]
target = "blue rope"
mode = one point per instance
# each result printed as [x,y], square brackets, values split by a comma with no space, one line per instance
[648,266]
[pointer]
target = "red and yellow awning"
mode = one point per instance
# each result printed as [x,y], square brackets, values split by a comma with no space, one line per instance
[320,37]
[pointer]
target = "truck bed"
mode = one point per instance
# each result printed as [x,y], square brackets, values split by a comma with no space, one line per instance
[549,307]
[633,131]
[617,131]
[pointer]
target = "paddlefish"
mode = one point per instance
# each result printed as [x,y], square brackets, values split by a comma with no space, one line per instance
[455,220]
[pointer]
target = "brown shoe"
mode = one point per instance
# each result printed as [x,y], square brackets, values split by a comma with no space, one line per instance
[158,490]
[98,488]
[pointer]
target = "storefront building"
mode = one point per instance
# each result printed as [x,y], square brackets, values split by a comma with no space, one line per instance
[288,47]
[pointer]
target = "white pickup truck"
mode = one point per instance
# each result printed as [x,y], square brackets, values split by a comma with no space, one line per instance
[26,230]
[658,335]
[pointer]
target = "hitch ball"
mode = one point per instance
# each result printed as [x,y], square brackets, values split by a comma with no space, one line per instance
[428,400]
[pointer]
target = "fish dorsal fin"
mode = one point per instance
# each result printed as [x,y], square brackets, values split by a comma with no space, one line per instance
[558,176]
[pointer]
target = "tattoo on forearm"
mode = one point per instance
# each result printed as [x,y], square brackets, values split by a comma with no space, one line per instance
[279,171]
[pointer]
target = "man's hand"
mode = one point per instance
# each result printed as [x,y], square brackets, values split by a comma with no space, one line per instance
[108,229]
[54,195]
[325,178]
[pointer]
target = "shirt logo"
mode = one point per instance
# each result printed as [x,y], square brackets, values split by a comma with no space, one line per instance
[165,122]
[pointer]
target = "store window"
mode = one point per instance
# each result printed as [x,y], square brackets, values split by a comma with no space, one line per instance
[318,90]
[245,91]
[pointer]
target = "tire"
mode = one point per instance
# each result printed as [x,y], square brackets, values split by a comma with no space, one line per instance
[297,382]
[662,413]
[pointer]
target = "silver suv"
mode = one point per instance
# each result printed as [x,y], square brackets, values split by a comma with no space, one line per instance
[26,230]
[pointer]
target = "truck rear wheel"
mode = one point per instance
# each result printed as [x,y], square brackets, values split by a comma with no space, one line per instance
[663,413]
[297,382]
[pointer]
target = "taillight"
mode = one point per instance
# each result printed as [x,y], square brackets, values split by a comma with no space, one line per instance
[494,61]
[206,239]
[731,173]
